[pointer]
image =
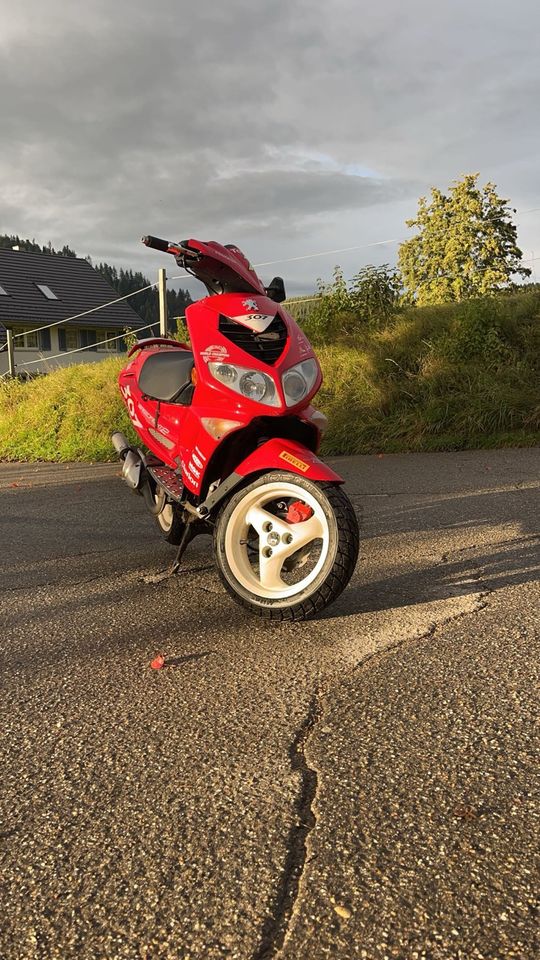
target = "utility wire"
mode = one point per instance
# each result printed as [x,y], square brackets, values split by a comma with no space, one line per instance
[265,263]
[378,243]
[90,346]
[57,323]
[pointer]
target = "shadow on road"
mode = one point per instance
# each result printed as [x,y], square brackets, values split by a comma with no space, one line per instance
[187,658]
[436,513]
[514,563]
[120,544]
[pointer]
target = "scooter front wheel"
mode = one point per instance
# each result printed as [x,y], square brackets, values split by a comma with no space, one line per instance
[286,547]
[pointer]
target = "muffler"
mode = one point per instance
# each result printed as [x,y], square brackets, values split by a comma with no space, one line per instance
[135,474]
[120,444]
[132,461]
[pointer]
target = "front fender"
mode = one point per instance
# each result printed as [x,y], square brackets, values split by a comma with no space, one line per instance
[275,454]
[279,454]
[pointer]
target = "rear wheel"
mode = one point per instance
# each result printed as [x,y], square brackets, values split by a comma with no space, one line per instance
[286,547]
[169,520]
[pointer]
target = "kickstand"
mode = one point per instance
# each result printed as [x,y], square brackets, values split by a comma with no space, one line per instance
[186,537]
[173,569]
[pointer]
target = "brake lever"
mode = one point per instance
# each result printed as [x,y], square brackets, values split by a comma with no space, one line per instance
[184,255]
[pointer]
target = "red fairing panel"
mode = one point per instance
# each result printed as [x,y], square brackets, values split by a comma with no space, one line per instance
[175,433]
[287,455]
[225,264]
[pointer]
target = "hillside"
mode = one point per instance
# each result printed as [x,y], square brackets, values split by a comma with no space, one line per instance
[435,378]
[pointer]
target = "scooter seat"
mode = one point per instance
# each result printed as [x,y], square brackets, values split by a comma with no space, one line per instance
[166,376]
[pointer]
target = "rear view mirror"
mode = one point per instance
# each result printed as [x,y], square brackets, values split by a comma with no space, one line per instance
[276,290]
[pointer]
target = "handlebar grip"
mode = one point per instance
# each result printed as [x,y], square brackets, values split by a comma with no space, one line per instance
[156,243]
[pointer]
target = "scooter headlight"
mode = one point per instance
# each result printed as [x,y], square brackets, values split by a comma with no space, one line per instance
[252,384]
[298,381]
[225,373]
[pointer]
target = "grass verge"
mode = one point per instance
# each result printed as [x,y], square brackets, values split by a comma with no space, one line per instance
[453,377]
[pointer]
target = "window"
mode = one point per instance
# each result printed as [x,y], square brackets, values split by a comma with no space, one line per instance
[113,345]
[29,340]
[68,338]
[3,293]
[46,291]
[89,339]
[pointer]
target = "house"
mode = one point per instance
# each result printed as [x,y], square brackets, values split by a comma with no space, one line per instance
[38,289]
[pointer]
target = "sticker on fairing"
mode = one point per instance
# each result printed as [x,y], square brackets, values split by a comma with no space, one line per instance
[294,461]
[255,321]
[215,352]
[130,404]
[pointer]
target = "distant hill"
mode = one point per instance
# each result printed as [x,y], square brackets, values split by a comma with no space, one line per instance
[123,281]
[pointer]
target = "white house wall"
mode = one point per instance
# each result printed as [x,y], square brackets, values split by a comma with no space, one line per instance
[45,365]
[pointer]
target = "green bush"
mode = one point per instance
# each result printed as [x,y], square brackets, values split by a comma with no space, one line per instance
[344,312]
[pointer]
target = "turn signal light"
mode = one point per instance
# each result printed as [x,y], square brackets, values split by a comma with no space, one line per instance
[217,427]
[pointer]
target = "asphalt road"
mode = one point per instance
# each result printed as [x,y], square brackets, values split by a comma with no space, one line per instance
[364,785]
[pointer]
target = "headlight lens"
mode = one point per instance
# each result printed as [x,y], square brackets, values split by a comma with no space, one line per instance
[298,381]
[252,384]
[225,372]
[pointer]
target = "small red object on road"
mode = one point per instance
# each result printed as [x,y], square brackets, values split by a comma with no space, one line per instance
[158,662]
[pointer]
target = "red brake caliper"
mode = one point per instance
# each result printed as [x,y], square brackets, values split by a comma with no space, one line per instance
[298,512]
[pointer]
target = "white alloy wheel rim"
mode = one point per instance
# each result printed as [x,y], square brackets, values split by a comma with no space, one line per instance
[278,540]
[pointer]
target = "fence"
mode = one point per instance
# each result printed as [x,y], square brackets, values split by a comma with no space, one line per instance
[160,285]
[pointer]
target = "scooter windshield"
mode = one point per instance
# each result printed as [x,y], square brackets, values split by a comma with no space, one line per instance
[223,269]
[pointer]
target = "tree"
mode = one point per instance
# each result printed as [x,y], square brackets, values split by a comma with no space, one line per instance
[466,245]
[145,303]
[8,241]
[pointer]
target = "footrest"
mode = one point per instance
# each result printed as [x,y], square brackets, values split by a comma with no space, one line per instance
[168,479]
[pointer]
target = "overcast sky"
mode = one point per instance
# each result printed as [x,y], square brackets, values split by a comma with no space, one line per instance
[288,127]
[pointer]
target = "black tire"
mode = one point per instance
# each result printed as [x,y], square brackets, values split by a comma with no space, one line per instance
[338,566]
[170,523]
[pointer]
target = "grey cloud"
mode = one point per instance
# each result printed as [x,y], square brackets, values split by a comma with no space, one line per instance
[185,118]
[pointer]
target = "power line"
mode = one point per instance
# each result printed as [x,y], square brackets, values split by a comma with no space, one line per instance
[90,346]
[378,243]
[76,316]
[266,263]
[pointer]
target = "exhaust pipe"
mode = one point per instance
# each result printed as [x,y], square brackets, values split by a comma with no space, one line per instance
[132,461]
[135,474]
[120,444]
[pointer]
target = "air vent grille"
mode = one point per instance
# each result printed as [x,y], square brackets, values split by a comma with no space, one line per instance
[266,346]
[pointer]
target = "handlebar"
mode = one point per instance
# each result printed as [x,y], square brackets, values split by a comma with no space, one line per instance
[165,246]
[156,243]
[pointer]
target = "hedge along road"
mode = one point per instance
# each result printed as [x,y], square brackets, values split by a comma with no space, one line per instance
[360,785]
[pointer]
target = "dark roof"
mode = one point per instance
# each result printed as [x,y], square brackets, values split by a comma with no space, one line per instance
[76,284]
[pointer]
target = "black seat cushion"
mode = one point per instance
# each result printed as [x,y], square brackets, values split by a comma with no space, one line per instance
[166,375]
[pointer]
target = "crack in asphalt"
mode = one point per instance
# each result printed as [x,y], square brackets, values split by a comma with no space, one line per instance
[276,924]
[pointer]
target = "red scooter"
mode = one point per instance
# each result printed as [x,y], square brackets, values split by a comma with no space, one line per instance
[230,441]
